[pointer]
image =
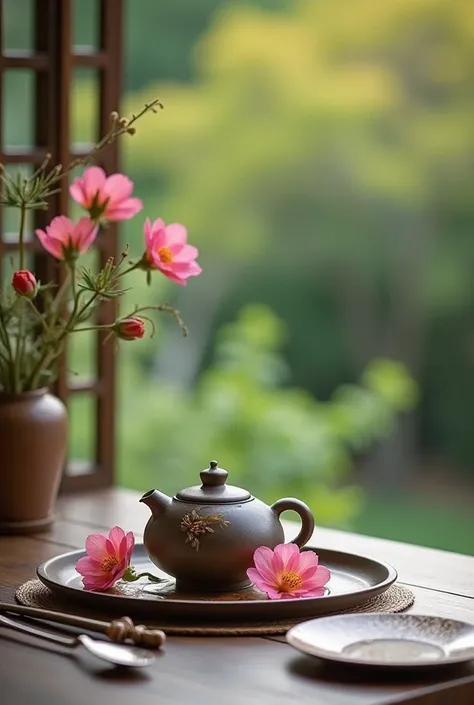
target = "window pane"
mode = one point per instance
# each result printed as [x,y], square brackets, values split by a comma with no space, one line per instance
[85,24]
[17,24]
[18,112]
[82,420]
[84,106]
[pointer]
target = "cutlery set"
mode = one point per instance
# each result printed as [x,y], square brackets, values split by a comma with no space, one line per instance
[113,650]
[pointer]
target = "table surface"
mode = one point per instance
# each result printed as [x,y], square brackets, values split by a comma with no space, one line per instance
[227,670]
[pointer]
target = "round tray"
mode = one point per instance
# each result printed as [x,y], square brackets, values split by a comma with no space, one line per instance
[354,579]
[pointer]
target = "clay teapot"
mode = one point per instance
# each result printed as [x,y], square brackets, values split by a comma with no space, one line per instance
[206,535]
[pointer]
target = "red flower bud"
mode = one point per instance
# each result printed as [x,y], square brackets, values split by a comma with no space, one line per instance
[130,328]
[24,283]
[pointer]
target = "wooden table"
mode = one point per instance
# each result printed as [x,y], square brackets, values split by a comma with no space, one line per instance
[227,671]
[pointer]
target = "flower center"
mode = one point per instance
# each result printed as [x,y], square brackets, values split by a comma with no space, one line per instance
[97,208]
[288,582]
[108,564]
[165,254]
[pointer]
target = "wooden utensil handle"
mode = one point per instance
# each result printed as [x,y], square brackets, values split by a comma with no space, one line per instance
[124,628]
[117,630]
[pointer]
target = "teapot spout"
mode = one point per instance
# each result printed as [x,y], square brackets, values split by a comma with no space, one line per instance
[157,501]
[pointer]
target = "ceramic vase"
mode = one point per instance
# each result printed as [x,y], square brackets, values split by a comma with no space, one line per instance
[33,446]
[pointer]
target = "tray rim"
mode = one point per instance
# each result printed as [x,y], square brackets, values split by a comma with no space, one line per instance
[209,608]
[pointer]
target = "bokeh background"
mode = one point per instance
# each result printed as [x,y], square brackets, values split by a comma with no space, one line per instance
[321,155]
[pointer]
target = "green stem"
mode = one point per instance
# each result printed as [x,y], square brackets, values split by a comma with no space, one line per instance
[55,306]
[8,347]
[130,576]
[73,281]
[130,269]
[82,311]
[47,356]
[18,350]
[101,327]
[21,235]
[38,315]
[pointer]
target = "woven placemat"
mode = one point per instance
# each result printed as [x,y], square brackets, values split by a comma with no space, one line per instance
[34,594]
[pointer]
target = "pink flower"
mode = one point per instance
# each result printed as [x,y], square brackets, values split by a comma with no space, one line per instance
[24,283]
[64,240]
[130,328]
[107,559]
[286,572]
[104,196]
[168,251]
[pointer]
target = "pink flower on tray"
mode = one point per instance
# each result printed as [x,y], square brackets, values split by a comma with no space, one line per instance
[167,250]
[107,197]
[288,572]
[107,559]
[64,240]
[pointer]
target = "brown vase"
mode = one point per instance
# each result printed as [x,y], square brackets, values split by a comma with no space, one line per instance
[33,445]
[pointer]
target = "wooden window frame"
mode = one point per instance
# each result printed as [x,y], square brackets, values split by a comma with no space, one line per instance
[53,60]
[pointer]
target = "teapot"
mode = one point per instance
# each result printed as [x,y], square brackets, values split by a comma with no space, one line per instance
[206,535]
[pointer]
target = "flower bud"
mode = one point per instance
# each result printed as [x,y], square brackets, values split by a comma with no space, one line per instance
[24,283]
[130,328]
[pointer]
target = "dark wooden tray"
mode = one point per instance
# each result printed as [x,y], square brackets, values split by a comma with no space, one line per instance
[354,579]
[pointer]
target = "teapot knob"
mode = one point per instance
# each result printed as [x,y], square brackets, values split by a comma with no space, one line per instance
[214,476]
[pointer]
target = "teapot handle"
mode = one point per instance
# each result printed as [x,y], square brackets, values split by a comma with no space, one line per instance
[307,519]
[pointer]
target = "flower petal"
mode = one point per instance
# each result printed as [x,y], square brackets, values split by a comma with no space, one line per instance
[130,546]
[96,547]
[184,253]
[93,182]
[257,579]
[176,234]
[124,211]
[275,594]
[320,578]
[158,234]
[50,244]
[263,559]
[118,187]
[116,535]
[84,234]
[308,564]
[77,193]
[118,570]
[283,553]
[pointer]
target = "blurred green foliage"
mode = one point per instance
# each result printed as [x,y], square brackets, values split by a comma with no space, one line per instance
[275,440]
[333,182]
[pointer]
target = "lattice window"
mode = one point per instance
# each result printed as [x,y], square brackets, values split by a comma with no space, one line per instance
[44,80]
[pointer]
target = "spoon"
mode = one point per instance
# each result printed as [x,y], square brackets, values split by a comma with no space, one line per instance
[118,654]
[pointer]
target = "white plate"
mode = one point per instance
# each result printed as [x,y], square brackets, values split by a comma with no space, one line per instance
[387,640]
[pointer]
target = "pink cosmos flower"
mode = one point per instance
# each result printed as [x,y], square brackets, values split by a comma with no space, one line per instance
[107,559]
[63,239]
[287,572]
[105,196]
[168,251]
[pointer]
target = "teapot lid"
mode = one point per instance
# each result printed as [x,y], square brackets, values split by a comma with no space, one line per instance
[213,489]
